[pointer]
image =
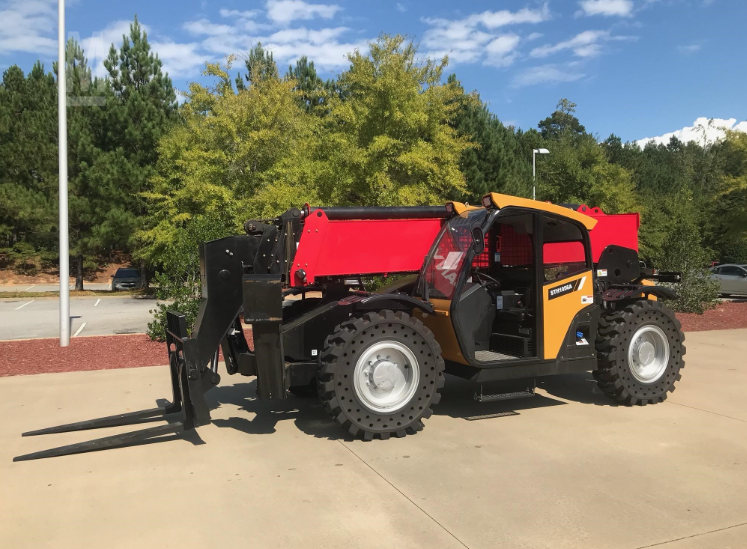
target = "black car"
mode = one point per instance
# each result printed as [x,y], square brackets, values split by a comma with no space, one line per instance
[126,279]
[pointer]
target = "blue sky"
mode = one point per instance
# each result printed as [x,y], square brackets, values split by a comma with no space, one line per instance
[638,68]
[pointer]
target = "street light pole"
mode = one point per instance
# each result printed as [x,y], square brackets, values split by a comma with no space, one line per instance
[62,141]
[534,170]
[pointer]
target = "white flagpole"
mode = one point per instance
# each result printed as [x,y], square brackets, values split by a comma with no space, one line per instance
[64,242]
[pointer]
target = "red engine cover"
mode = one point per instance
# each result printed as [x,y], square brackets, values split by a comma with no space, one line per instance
[361,246]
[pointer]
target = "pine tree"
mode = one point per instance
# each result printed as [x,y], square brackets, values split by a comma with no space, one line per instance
[313,89]
[495,164]
[141,106]
[561,122]
[259,64]
[88,201]
[28,159]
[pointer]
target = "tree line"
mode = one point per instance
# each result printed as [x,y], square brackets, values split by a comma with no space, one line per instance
[152,178]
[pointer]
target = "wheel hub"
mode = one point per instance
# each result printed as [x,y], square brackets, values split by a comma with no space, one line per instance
[648,354]
[386,376]
[382,375]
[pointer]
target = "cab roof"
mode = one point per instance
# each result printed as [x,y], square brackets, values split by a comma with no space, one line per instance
[501,201]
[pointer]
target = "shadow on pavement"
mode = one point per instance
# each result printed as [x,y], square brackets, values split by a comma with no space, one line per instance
[457,401]
[576,387]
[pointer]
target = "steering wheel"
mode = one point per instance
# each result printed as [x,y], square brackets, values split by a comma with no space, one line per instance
[487,280]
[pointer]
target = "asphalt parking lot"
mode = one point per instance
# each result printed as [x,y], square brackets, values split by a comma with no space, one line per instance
[99,286]
[564,469]
[26,318]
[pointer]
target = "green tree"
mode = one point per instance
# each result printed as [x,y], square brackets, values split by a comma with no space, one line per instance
[260,64]
[495,163]
[140,107]
[28,161]
[389,138]
[90,203]
[577,171]
[561,122]
[238,154]
[313,90]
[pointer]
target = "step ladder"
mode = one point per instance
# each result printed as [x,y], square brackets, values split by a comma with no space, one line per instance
[509,395]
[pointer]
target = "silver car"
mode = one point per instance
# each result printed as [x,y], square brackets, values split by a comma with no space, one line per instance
[732,278]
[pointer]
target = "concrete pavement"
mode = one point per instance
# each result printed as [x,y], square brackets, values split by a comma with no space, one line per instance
[565,469]
[25,318]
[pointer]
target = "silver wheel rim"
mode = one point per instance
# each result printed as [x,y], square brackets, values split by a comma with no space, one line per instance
[386,376]
[648,354]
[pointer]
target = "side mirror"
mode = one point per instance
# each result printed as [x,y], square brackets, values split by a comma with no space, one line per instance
[479,239]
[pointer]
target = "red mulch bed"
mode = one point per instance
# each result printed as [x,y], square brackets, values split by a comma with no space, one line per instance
[39,356]
[727,315]
[42,356]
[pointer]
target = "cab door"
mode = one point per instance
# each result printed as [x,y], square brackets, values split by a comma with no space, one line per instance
[567,288]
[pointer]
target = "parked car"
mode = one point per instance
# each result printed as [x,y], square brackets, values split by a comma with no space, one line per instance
[126,279]
[732,278]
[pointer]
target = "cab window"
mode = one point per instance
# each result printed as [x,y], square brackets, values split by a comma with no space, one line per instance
[447,257]
[563,251]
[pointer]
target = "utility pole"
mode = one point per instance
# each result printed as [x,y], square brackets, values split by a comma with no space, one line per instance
[62,142]
[534,170]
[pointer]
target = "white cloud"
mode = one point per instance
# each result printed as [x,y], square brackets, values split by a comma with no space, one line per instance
[206,27]
[534,36]
[180,60]
[467,40]
[501,52]
[690,48]
[286,11]
[703,131]
[401,7]
[238,13]
[544,74]
[607,8]
[584,44]
[29,26]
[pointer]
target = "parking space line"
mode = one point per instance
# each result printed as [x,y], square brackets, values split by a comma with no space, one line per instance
[32,286]
[97,302]
[22,306]
[79,329]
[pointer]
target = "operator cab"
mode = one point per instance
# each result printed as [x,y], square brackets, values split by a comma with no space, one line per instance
[486,276]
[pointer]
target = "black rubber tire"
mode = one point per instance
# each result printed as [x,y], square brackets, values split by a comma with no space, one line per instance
[335,377]
[616,328]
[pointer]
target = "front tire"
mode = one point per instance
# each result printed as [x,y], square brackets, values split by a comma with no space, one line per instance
[380,374]
[640,353]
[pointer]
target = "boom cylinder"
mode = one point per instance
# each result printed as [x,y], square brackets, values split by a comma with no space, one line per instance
[336,213]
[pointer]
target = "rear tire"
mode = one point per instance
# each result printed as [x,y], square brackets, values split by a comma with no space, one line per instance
[380,374]
[640,353]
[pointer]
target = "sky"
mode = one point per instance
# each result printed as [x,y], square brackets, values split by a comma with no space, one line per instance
[638,68]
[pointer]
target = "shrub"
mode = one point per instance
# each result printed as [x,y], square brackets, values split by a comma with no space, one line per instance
[682,252]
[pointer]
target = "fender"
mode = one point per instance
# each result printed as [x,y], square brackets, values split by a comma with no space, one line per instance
[620,292]
[379,301]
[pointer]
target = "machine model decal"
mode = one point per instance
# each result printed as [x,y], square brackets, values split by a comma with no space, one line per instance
[558,291]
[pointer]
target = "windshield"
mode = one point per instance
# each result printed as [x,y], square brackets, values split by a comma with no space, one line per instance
[127,273]
[441,271]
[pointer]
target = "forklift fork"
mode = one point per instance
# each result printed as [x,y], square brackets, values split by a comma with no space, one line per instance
[193,361]
[186,411]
